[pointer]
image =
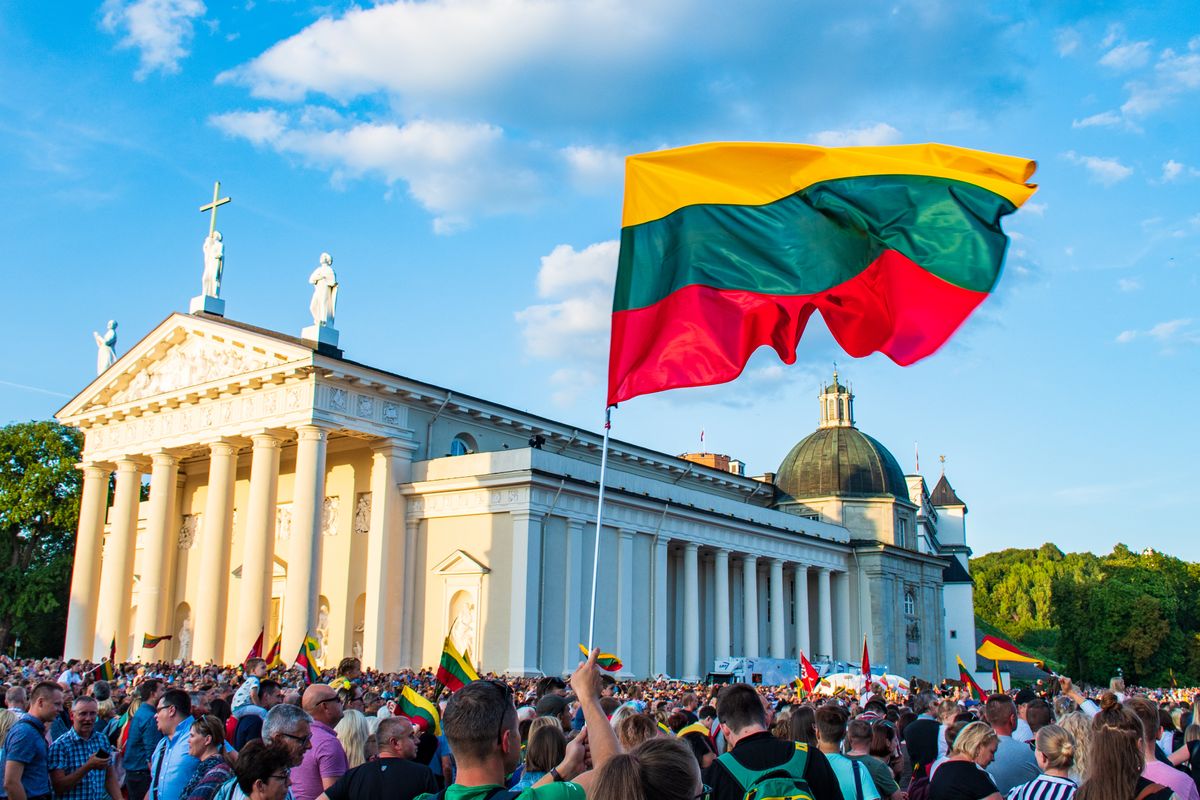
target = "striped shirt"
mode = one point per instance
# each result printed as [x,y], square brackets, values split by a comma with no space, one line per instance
[1045,787]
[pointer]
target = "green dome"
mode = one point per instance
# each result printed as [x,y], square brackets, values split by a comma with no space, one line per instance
[839,461]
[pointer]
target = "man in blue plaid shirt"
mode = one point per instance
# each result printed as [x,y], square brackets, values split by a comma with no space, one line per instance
[81,765]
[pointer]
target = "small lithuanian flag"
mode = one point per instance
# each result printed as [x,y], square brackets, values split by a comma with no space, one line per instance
[150,642]
[454,670]
[414,706]
[307,658]
[606,661]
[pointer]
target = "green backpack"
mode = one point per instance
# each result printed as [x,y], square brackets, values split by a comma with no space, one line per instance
[785,782]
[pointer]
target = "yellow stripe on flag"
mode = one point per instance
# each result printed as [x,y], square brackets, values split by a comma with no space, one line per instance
[757,173]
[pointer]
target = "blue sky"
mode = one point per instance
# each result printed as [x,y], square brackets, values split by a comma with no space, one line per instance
[461,161]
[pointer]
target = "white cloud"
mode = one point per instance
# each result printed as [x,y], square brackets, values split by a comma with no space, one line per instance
[1174,74]
[568,269]
[1103,119]
[1067,41]
[1168,335]
[160,30]
[1172,169]
[1038,209]
[452,169]
[594,167]
[1128,284]
[1127,56]
[1107,171]
[867,136]
[446,48]
[576,325]
[571,384]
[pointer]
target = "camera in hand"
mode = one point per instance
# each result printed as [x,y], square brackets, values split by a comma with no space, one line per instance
[102,754]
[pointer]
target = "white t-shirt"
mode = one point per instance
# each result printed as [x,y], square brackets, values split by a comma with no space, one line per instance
[242,696]
[70,678]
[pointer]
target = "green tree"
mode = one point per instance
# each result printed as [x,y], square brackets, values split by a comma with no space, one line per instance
[39,510]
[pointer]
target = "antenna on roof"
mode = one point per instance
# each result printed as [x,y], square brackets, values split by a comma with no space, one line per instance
[917,453]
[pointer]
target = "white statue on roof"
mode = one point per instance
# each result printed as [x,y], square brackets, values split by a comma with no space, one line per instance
[214,265]
[324,300]
[106,354]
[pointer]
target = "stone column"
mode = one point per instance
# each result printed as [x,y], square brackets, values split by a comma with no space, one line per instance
[116,579]
[778,631]
[750,606]
[691,612]
[845,643]
[414,611]
[85,579]
[574,594]
[391,465]
[626,616]
[258,551]
[824,614]
[151,600]
[525,610]
[658,664]
[721,602]
[212,600]
[302,590]
[802,635]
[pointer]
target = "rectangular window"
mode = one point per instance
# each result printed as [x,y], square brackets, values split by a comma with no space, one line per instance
[953,634]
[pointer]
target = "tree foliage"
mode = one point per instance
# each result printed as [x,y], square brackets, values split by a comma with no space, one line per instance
[1134,613]
[39,510]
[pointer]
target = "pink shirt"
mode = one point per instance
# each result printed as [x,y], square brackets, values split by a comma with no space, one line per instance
[326,759]
[1181,784]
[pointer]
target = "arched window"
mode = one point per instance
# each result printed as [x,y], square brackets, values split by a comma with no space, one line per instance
[463,445]
[910,603]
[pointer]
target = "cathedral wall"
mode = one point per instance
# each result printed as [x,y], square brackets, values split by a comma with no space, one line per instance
[960,625]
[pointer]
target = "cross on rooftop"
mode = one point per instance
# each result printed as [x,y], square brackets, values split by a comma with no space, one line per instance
[212,224]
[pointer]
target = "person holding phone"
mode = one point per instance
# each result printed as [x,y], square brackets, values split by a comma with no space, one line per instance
[80,760]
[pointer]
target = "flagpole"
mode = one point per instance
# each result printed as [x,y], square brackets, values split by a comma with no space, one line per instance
[599,520]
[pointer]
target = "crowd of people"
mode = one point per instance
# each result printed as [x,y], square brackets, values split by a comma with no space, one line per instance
[190,732]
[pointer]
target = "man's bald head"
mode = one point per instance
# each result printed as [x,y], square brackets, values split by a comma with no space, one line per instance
[321,701]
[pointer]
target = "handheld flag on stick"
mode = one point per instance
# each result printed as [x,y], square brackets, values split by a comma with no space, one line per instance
[866,661]
[996,676]
[150,642]
[272,658]
[307,659]
[808,674]
[106,670]
[414,706]
[256,650]
[729,246]
[964,675]
[605,661]
[454,671]
[997,649]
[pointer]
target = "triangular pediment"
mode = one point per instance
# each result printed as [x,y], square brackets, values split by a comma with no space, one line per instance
[185,354]
[459,563]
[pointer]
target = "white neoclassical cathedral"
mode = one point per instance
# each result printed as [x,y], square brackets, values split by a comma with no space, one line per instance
[294,492]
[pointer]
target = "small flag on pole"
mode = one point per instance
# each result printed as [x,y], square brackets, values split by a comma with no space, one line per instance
[605,661]
[974,688]
[257,649]
[273,659]
[414,706]
[150,642]
[454,671]
[997,649]
[106,670]
[866,661]
[808,674]
[307,658]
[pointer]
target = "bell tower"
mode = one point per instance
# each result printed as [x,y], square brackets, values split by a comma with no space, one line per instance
[837,405]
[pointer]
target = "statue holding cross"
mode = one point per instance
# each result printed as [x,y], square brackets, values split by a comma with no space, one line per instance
[214,260]
[214,248]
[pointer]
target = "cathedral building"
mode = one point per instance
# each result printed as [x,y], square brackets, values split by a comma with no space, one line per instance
[295,492]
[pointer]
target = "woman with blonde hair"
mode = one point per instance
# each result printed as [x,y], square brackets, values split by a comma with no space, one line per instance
[1079,725]
[658,769]
[635,729]
[353,733]
[1055,753]
[962,776]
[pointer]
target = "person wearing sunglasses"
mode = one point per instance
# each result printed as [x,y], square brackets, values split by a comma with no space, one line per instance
[262,771]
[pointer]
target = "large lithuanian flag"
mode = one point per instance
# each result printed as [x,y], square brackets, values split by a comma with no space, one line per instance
[726,247]
[454,670]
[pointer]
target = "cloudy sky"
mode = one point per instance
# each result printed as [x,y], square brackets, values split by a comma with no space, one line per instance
[462,161]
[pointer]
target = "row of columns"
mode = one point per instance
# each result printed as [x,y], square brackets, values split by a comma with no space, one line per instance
[101,593]
[829,613]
